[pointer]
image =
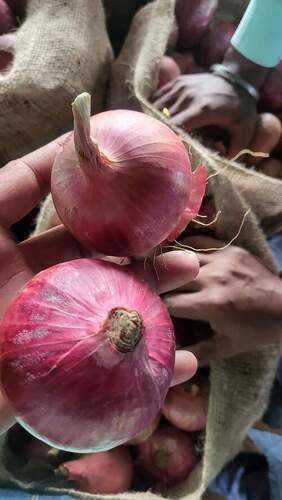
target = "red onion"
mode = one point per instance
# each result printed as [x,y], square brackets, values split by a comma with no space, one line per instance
[186,406]
[193,17]
[146,433]
[214,43]
[105,473]
[87,355]
[122,182]
[168,456]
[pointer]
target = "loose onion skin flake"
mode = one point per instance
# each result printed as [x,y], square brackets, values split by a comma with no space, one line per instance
[87,355]
[122,183]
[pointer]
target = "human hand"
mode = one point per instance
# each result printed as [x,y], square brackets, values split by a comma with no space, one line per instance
[233,292]
[23,183]
[202,100]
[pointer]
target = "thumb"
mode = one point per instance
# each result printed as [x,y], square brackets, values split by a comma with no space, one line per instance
[193,118]
[213,349]
[185,367]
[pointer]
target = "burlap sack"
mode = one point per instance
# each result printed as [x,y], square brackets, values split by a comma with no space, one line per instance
[62,49]
[239,386]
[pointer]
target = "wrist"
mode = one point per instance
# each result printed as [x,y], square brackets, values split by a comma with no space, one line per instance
[239,65]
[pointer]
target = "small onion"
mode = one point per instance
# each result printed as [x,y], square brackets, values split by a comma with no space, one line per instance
[106,473]
[122,182]
[186,406]
[168,456]
[87,355]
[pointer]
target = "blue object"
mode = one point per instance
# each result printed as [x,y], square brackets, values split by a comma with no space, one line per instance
[6,494]
[259,34]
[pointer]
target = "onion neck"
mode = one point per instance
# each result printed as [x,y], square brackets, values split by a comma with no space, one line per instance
[87,150]
[124,329]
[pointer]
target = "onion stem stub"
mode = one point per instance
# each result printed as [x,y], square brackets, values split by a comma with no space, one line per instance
[84,144]
[124,329]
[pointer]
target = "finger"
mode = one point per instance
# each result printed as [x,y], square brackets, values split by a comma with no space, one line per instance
[166,98]
[195,117]
[164,89]
[50,248]
[13,270]
[211,350]
[25,181]
[204,246]
[188,305]
[193,286]
[239,140]
[183,100]
[168,271]
[185,367]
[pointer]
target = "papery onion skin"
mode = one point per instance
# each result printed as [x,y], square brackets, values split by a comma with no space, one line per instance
[66,382]
[129,196]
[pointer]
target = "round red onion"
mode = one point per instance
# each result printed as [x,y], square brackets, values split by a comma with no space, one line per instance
[87,355]
[105,473]
[122,183]
[168,456]
[146,433]
[186,406]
